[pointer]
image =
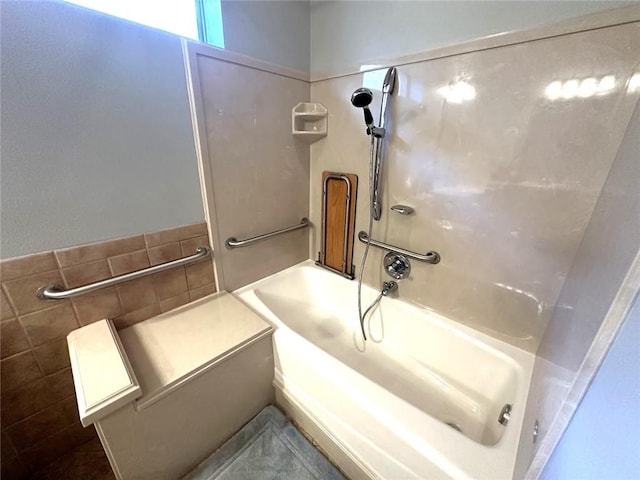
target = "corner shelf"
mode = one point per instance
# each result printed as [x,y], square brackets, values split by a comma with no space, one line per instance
[309,121]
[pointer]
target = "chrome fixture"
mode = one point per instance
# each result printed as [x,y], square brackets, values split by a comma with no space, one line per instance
[388,86]
[536,430]
[505,414]
[56,292]
[402,209]
[429,257]
[362,98]
[233,242]
[387,288]
[396,265]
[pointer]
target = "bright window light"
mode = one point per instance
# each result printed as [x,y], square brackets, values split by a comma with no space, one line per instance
[176,16]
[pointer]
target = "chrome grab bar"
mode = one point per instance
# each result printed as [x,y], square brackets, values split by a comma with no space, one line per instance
[56,292]
[233,242]
[429,257]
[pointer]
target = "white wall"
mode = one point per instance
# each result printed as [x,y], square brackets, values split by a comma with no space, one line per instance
[96,130]
[276,31]
[346,34]
[602,441]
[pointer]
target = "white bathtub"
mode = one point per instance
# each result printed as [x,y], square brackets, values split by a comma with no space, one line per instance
[392,403]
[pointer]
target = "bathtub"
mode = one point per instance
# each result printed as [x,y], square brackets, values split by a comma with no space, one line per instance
[420,399]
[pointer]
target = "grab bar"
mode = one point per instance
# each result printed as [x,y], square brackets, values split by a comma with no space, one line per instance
[429,257]
[233,242]
[56,292]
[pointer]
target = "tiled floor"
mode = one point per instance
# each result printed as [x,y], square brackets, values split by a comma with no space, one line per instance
[86,462]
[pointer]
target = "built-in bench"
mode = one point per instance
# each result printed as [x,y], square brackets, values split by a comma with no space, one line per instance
[164,393]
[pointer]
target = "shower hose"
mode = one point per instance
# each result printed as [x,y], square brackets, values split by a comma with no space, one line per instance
[372,155]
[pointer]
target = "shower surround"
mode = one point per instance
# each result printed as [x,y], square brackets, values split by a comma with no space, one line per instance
[254,173]
[503,146]
[519,154]
[502,169]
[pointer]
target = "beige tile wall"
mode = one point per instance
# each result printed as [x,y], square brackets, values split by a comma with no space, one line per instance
[39,414]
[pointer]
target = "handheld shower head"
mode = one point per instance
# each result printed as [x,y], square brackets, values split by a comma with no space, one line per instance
[362,98]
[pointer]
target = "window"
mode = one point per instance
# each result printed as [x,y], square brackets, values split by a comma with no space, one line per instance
[210,29]
[195,19]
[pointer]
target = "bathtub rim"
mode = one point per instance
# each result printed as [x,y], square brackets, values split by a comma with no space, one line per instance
[519,357]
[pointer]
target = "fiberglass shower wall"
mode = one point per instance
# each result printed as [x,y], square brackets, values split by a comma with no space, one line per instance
[255,175]
[503,172]
[598,290]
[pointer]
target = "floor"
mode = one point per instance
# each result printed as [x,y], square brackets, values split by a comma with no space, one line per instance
[86,462]
[269,447]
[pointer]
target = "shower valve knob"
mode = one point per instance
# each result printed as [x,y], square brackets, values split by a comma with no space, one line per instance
[397,266]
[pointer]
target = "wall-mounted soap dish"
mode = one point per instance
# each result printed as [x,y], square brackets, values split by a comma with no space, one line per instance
[309,121]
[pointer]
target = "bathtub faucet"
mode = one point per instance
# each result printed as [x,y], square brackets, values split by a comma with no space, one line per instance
[389,287]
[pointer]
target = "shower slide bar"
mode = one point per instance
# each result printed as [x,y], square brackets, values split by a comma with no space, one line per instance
[429,257]
[56,292]
[233,242]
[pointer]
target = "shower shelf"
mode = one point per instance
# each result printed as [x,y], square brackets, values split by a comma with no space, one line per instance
[309,121]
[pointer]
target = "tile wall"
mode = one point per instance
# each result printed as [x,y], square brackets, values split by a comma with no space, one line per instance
[39,413]
[503,171]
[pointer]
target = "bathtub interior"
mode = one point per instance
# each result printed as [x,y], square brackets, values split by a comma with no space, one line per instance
[438,369]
